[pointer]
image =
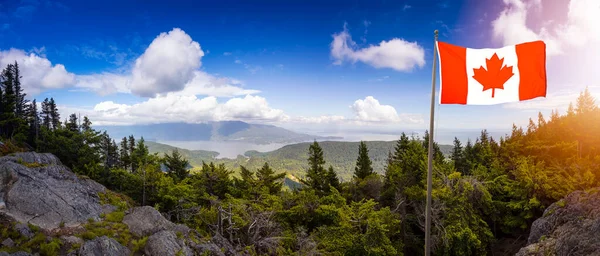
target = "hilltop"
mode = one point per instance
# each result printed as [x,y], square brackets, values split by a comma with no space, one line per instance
[211,131]
[292,158]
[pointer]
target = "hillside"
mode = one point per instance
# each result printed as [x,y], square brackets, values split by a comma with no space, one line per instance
[293,158]
[211,131]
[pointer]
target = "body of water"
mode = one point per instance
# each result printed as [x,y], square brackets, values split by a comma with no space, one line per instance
[226,149]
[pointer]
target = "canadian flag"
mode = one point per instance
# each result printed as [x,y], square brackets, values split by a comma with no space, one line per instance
[492,76]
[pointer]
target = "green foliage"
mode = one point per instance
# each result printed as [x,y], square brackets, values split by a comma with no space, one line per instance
[486,191]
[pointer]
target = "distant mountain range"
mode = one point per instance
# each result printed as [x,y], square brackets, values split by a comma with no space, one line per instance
[212,131]
[292,159]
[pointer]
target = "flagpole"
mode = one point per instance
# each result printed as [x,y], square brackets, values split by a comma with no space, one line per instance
[430,153]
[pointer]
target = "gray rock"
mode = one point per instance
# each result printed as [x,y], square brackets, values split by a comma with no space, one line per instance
[166,243]
[24,230]
[8,243]
[102,246]
[570,226]
[71,240]
[48,195]
[145,221]
[21,253]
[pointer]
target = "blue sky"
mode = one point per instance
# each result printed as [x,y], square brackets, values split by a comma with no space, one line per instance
[273,62]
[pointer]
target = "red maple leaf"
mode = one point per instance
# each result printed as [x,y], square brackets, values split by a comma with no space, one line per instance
[495,76]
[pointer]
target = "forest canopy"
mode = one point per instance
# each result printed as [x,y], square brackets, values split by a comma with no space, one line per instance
[485,195]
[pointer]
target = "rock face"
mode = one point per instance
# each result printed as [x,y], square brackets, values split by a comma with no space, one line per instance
[166,243]
[35,188]
[570,226]
[103,246]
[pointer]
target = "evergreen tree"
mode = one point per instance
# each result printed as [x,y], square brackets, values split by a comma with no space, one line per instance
[124,154]
[177,166]
[54,115]
[33,121]
[458,156]
[86,125]
[316,176]
[585,102]
[46,119]
[132,158]
[21,102]
[332,179]
[363,162]
[266,177]
[71,125]
[9,122]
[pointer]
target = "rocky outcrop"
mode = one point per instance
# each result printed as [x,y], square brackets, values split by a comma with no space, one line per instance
[570,226]
[166,243]
[37,189]
[103,246]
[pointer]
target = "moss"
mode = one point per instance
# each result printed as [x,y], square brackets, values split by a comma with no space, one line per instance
[139,244]
[122,202]
[180,252]
[51,248]
[115,216]
[34,165]
[62,224]
[561,203]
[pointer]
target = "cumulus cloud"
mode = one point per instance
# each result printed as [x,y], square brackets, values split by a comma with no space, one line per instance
[396,53]
[38,73]
[370,110]
[170,65]
[167,64]
[180,108]
[581,27]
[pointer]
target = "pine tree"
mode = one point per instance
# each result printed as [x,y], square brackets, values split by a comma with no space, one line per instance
[86,125]
[132,158]
[585,102]
[124,154]
[46,119]
[33,121]
[458,156]
[332,179]
[54,115]
[266,177]
[401,146]
[8,119]
[177,166]
[71,125]
[363,163]
[21,102]
[316,176]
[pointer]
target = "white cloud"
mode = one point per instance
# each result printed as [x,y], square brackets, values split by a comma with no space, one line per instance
[396,53]
[226,53]
[166,65]
[370,110]
[582,25]
[105,83]
[571,44]
[38,72]
[180,108]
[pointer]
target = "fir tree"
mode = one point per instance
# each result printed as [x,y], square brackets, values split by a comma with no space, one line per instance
[124,154]
[177,166]
[363,162]
[21,102]
[266,177]
[46,119]
[316,176]
[54,115]
[458,156]
[71,125]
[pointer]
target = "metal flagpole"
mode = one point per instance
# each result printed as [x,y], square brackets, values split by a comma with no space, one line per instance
[430,154]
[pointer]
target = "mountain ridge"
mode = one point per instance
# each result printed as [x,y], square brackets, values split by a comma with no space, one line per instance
[212,131]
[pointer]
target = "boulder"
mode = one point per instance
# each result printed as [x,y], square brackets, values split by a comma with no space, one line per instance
[570,226]
[35,188]
[166,243]
[102,246]
[145,221]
